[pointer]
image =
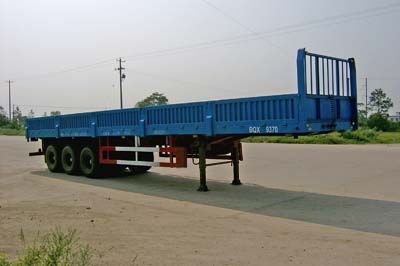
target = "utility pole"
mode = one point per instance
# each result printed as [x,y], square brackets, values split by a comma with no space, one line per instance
[9,99]
[122,76]
[366,97]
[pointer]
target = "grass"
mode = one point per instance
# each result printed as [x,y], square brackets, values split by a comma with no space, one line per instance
[361,136]
[12,132]
[55,248]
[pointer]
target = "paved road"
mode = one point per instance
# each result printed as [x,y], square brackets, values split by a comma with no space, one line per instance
[342,187]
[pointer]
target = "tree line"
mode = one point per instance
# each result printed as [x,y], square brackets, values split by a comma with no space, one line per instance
[17,120]
[376,115]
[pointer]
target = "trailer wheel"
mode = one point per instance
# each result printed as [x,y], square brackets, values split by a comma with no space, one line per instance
[52,158]
[143,156]
[69,160]
[89,162]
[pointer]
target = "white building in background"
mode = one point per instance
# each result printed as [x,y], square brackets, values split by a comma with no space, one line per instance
[395,118]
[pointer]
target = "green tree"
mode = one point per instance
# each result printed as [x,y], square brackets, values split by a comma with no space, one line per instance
[154,99]
[362,115]
[380,102]
[17,114]
[379,122]
[54,113]
[3,117]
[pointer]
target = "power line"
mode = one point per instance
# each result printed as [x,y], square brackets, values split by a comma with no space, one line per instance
[274,32]
[62,107]
[288,29]
[162,77]
[242,25]
[74,69]
[385,79]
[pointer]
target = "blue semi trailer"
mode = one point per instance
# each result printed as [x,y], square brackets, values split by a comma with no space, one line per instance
[97,143]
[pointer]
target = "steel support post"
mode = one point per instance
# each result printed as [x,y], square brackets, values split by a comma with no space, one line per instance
[202,166]
[235,164]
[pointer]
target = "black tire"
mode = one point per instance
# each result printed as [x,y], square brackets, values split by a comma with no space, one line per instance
[143,156]
[89,163]
[70,160]
[52,158]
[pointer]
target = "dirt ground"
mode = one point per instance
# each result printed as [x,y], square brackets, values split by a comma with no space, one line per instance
[300,205]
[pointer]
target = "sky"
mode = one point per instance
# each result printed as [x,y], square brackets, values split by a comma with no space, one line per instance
[61,55]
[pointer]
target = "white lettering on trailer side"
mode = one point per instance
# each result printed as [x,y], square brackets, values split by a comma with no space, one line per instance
[272,130]
[268,130]
[255,130]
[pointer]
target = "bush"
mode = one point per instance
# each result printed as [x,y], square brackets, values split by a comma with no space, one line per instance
[4,260]
[379,122]
[55,248]
[362,135]
[394,126]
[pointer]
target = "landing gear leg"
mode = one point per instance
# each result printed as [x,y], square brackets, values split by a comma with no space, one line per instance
[235,162]
[202,166]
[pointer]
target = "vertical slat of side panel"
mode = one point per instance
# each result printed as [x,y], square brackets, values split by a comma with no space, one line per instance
[175,115]
[245,117]
[251,110]
[200,114]
[332,77]
[327,77]
[168,115]
[262,110]
[318,88]
[311,75]
[342,76]
[232,111]
[337,79]
[235,111]
[270,110]
[274,110]
[258,111]
[228,111]
[223,110]
[290,110]
[323,76]
[348,80]
[293,110]
[240,110]
[149,117]
[286,109]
